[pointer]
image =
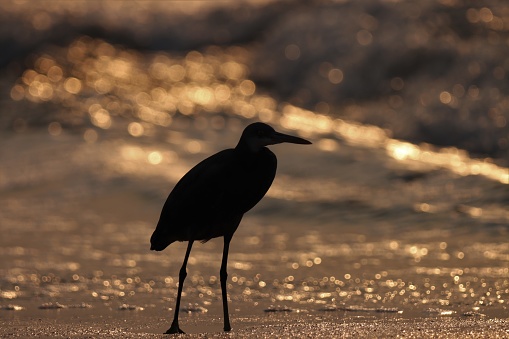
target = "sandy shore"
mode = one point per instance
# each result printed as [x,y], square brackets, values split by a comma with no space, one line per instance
[247,322]
[140,325]
[91,249]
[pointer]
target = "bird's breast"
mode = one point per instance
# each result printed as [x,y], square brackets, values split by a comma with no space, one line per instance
[250,181]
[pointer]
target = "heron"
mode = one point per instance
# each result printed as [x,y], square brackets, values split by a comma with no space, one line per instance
[210,200]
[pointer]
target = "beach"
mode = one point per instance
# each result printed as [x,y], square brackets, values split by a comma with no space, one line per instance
[77,260]
[260,327]
[393,223]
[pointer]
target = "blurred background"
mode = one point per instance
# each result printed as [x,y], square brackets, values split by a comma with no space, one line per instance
[402,201]
[432,72]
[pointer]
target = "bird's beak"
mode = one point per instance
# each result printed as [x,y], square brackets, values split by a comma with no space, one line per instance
[279,138]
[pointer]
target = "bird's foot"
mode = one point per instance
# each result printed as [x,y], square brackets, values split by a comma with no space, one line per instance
[227,328]
[174,329]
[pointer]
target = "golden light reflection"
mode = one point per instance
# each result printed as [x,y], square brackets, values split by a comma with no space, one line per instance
[55,73]
[55,129]
[176,73]
[132,153]
[216,81]
[90,136]
[445,97]
[17,93]
[194,147]
[155,157]
[103,86]
[247,87]
[72,85]
[335,76]
[222,92]
[451,158]
[474,212]
[425,208]
[152,116]
[100,118]
[485,14]
[328,145]
[401,150]
[135,129]
[233,70]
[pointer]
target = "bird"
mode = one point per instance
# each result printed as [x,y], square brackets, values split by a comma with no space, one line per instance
[210,200]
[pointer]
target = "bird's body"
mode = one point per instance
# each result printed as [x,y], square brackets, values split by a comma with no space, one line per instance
[211,199]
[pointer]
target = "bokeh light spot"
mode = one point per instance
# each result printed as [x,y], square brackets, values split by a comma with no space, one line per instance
[17,93]
[193,146]
[135,129]
[155,158]
[364,37]
[233,70]
[54,128]
[72,85]
[101,118]
[486,14]
[176,73]
[90,136]
[335,76]
[292,52]
[41,21]
[55,73]
[247,87]
[445,97]
[328,145]
[222,92]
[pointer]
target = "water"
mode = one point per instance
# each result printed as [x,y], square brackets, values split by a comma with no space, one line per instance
[370,222]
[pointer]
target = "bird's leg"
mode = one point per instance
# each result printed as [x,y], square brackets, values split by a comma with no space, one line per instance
[223,275]
[174,328]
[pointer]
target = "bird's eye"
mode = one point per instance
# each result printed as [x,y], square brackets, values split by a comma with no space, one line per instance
[260,133]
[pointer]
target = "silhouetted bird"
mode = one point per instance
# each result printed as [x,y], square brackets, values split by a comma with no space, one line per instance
[210,200]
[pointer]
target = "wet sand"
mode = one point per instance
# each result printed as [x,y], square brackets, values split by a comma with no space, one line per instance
[79,324]
[76,261]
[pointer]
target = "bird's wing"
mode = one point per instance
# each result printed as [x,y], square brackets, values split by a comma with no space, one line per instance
[223,184]
[204,181]
[198,194]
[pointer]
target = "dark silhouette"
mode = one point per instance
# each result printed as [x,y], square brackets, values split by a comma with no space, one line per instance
[210,200]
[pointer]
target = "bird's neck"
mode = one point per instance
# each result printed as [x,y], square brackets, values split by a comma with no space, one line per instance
[246,153]
[247,148]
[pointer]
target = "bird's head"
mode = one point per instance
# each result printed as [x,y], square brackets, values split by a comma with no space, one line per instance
[258,135]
